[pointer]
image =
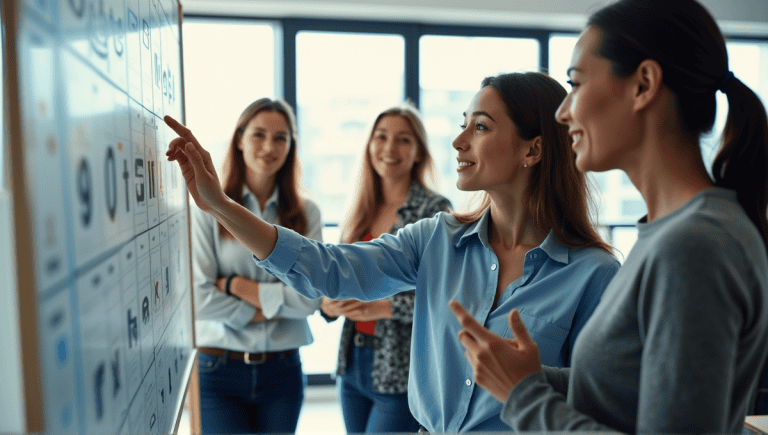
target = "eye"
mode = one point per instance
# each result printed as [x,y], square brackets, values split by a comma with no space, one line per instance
[259,134]
[480,126]
[572,83]
[281,138]
[463,126]
[381,137]
[405,140]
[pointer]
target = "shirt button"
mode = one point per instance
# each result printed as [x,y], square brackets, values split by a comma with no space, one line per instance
[533,255]
[469,382]
[493,267]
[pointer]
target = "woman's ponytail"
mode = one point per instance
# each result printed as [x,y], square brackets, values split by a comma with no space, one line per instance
[742,162]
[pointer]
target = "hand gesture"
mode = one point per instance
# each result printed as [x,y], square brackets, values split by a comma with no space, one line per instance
[498,363]
[358,311]
[196,167]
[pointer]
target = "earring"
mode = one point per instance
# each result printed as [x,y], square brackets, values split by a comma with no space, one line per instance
[525,165]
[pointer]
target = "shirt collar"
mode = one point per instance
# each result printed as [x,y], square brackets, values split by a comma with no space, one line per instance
[248,196]
[555,249]
[551,245]
[479,229]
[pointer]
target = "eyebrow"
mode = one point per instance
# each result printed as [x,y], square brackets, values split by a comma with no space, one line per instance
[478,113]
[277,132]
[406,132]
[571,69]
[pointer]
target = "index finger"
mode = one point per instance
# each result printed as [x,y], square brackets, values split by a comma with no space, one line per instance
[180,129]
[472,326]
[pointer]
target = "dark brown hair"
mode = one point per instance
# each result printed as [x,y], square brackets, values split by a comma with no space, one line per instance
[290,208]
[557,197]
[684,39]
[368,194]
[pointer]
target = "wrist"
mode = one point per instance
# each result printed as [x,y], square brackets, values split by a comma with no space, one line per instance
[228,286]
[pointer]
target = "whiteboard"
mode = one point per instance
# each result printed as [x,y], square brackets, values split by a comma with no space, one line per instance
[101,218]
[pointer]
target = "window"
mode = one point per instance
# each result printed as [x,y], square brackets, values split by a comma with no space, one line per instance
[448,81]
[343,81]
[228,64]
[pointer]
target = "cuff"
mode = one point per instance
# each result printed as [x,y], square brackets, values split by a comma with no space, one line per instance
[271,296]
[285,253]
[520,392]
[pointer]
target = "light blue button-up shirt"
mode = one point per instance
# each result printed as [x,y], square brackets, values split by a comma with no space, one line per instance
[224,321]
[558,291]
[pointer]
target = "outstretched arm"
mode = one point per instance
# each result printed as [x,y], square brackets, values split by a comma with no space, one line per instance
[203,184]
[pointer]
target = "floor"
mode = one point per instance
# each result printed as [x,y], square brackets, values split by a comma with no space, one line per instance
[321,413]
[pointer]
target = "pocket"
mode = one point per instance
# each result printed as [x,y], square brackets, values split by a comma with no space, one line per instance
[550,339]
[292,361]
[208,364]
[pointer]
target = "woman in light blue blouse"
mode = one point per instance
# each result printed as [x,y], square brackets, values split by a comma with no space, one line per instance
[530,246]
[249,325]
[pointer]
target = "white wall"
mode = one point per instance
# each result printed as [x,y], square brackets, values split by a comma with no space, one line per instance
[747,17]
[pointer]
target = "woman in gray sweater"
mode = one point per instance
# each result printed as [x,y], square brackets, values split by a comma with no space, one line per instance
[678,341]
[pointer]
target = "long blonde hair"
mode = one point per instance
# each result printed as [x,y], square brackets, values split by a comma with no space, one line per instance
[368,194]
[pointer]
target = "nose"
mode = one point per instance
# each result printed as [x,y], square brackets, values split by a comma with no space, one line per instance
[388,145]
[461,142]
[269,144]
[563,113]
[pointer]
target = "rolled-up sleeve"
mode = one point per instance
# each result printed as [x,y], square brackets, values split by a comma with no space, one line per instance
[278,299]
[210,303]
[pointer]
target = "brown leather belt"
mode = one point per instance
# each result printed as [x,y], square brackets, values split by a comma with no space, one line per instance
[360,339]
[247,357]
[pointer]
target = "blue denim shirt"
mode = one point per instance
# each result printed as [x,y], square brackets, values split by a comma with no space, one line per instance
[558,291]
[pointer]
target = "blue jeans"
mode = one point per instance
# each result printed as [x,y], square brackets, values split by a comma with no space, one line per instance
[236,397]
[364,409]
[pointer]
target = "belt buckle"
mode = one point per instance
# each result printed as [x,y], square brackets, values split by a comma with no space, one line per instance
[359,340]
[247,358]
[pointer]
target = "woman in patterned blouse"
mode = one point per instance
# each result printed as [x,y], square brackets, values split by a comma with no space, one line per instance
[375,347]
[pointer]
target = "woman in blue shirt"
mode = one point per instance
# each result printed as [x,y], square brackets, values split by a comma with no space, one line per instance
[530,246]
[249,325]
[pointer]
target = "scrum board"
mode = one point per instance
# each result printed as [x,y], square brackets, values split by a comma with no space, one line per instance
[100,217]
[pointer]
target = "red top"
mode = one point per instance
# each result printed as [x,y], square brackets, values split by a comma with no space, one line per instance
[366,327]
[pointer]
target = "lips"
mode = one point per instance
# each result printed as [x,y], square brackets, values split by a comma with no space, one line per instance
[464,164]
[576,137]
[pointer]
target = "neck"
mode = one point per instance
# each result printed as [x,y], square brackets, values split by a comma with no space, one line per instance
[394,192]
[261,187]
[510,223]
[668,171]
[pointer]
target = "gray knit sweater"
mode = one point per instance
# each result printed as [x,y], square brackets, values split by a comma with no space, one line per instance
[678,339]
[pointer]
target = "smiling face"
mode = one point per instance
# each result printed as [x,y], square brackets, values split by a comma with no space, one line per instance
[599,109]
[265,143]
[393,148]
[491,154]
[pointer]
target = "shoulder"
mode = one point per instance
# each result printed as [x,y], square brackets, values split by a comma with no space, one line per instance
[426,200]
[311,210]
[593,258]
